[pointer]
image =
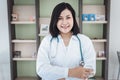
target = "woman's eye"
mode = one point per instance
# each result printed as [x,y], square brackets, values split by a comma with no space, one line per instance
[68,17]
[59,18]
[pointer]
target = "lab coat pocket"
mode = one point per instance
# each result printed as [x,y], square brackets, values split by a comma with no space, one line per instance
[52,57]
[52,62]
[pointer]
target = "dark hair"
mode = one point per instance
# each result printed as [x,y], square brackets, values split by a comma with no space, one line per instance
[54,19]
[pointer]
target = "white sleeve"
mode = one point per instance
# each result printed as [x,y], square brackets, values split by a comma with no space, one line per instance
[89,54]
[43,67]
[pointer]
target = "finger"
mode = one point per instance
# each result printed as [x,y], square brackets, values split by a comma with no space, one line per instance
[86,79]
[86,74]
[89,70]
[62,79]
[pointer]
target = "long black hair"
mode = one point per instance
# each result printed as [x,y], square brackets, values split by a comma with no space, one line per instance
[54,19]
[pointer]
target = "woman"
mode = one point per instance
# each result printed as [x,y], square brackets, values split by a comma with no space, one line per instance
[61,53]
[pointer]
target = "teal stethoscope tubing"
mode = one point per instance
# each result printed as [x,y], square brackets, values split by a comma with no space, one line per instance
[82,59]
[81,53]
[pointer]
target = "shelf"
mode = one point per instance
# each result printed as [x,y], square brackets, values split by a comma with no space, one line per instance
[96,78]
[93,40]
[101,58]
[99,78]
[33,59]
[99,40]
[23,22]
[24,59]
[26,78]
[94,22]
[24,41]
[43,34]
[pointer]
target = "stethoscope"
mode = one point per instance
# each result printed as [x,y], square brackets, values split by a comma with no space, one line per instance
[81,63]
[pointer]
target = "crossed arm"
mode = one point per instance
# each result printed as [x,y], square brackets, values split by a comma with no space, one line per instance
[79,72]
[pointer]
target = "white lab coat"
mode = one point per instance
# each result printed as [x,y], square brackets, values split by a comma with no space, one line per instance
[54,59]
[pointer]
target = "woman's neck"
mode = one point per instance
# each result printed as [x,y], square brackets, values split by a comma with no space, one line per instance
[66,38]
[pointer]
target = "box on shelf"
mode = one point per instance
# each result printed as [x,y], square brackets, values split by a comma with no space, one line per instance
[85,17]
[14,17]
[101,54]
[88,17]
[100,17]
[44,29]
[17,54]
[93,17]
[32,18]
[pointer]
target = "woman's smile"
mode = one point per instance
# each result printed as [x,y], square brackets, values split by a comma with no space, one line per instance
[65,26]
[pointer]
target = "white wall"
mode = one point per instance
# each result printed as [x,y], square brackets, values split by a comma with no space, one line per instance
[114,39]
[4,43]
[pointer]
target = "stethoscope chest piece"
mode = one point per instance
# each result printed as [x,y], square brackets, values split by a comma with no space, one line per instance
[81,63]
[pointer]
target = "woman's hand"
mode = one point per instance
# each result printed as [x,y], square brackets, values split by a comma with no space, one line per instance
[79,72]
[62,79]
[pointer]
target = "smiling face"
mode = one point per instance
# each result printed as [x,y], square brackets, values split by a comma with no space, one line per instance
[65,22]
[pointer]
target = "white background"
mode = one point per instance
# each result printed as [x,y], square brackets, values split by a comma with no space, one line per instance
[4,43]
[114,39]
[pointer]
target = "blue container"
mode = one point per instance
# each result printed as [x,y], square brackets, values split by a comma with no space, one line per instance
[85,17]
[91,17]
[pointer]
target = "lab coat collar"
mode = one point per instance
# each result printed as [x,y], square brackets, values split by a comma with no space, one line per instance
[73,37]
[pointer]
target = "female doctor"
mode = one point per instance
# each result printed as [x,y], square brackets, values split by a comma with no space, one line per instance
[65,54]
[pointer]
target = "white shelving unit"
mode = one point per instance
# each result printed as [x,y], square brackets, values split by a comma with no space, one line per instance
[23,37]
[33,59]
[94,22]
[101,58]
[28,46]
[23,22]
[24,59]
[23,41]
[26,78]
[99,40]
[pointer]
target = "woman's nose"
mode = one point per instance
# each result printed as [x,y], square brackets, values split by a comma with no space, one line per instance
[64,21]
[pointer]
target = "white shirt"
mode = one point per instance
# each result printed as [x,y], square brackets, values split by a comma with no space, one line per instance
[54,59]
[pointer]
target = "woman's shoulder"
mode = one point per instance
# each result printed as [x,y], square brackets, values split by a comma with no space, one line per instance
[47,38]
[85,40]
[83,37]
